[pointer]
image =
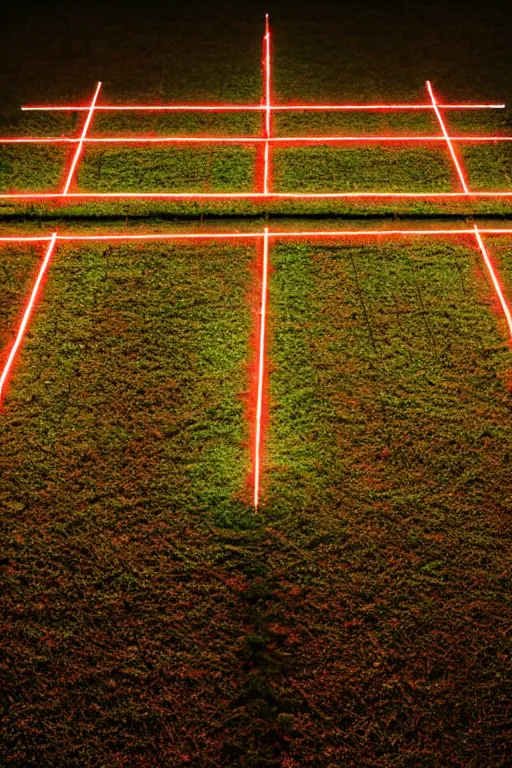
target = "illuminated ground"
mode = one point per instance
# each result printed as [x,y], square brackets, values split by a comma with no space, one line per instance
[362,617]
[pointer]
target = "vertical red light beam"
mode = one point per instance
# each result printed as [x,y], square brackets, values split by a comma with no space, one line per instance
[455,159]
[26,316]
[261,372]
[268,107]
[80,144]
[494,278]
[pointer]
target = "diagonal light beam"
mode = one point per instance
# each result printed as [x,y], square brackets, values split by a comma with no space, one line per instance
[458,166]
[495,281]
[26,316]
[79,148]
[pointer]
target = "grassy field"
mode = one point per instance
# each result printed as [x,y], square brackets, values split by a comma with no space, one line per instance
[389,471]
[362,617]
[149,618]
[218,59]
[216,168]
[122,443]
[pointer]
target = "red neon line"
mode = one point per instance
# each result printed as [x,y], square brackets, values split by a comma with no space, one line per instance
[320,139]
[26,316]
[494,278]
[252,107]
[165,236]
[248,195]
[78,151]
[245,139]
[16,239]
[152,108]
[255,235]
[458,167]
[384,232]
[261,372]
[267,78]
[268,117]
[139,140]
[39,140]
[307,234]
[368,138]
[386,107]
[375,233]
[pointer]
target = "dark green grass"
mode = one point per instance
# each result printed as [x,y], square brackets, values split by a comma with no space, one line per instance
[489,166]
[372,52]
[388,471]
[178,123]
[355,123]
[123,441]
[417,317]
[501,253]
[18,266]
[29,168]
[403,168]
[149,618]
[388,169]
[169,169]
[43,124]
[487,122]
[361,618]
[128,331]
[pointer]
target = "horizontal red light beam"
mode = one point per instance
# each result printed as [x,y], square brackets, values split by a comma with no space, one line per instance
[250,107]
[418,138]
[245,139]
[196,196]
[26,315]
[165,236]
[16,239]
[339,233]
[342,107]
[386,233]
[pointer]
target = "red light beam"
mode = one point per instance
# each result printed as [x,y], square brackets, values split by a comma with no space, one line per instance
[338,233]
[284,234]
[494,278]
[151,108]
[196,196]
[16,239]
[370,138]
[251,107]
[246,139]
[268,109]
[385,107]
[26,315]
[458,167]
[268,79]
[261,372]
[78,150]
[162,236]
